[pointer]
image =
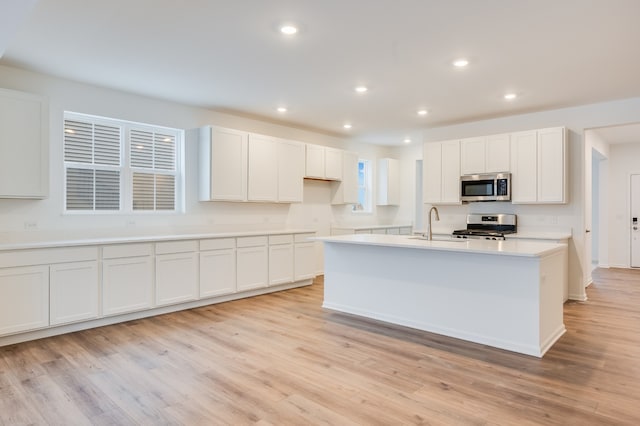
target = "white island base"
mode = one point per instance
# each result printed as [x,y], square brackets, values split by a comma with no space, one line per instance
[499,294]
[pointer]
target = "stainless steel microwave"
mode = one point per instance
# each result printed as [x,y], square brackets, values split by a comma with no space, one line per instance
[486,187]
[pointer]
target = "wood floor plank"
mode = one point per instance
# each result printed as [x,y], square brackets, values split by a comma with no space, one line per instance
[280,359]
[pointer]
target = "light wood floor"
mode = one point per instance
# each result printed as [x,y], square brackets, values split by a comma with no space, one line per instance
[281,359]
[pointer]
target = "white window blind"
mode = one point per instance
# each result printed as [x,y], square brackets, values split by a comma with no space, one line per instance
[100,178]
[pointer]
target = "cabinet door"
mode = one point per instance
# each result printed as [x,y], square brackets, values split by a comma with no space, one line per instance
[451,172]
[524,169]
[551,165]
[472,156]
[346,191]
[217,272]
[127,284]
[24,155]
[263,169]
[74,292]
[176,278]
[24,298]
[498,153]
[252,267]
[290,171]
[280,264]
[304,261]
[333,164]
[314,161]
[432,172]
[388,182]
[228,164]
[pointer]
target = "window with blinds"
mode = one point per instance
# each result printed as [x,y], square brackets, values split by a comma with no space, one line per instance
[100,177]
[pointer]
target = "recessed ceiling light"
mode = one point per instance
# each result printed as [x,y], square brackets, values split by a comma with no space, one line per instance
[407,140]
[460,63]
[347,126]
[422,112]
[282,109]
[361,89]
[288,30]
[510,96]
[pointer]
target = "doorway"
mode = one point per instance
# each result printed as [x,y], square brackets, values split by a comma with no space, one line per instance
[635,217]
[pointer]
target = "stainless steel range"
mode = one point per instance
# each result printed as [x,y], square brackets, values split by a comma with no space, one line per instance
[488,226]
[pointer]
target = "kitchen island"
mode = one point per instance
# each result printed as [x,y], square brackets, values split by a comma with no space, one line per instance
[506,294]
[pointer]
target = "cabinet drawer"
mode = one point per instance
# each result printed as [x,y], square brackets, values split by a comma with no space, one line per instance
[303,238]
[280,239]
[251,241]
[47,256]
[218,244]
[126,250]
[176,247]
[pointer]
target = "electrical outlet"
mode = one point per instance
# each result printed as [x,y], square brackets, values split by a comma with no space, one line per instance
[30,225]
[131,223]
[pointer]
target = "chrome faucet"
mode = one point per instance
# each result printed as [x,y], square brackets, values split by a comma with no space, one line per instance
[429,233]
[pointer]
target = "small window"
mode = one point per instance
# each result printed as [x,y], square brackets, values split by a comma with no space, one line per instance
[118,166]
[364,187]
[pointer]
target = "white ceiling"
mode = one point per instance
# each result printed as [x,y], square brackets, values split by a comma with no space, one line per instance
[228,55]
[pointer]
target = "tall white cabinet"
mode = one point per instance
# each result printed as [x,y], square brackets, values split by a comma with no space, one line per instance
[346,191]
[538,166]
[222,165]
[24,142]
[388,182]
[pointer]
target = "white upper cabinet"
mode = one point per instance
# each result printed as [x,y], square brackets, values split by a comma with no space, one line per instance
[441,172]
[223,164]
[487,154]
[538,166]
[346,191]
[241,166]
[290,171]
[388,182]
[323,162]
[24,139]
[262,168]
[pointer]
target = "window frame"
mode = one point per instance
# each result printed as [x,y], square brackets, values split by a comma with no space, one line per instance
[126,169]
[367,207]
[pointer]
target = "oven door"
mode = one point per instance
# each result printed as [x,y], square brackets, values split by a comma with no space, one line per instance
[477,188]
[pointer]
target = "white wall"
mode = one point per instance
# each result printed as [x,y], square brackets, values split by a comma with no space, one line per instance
[569,216]
[314,213]
[624,160]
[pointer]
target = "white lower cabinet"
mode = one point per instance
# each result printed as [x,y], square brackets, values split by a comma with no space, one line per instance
[217,267]
[24,297]
[304,258]
[176,278]
[252,260]
[73,292]
[280,259]
[127,278]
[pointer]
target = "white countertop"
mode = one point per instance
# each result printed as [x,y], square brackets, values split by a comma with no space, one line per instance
[49,239]
[507,247]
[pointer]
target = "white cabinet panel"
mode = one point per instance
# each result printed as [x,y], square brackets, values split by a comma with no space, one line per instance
[262,169]
[472,158]
[314,161]
[291,160]
[551,165]
[217,272]
[176,278]
[333,164]
[127,284]
[432,172]
[388,182]
[252,267]
[24,154]
[451,172]
[305,261]
[346,191]
[524,167]
[74,292]
[280,264]
[24,298]
[498,153]
[223,164]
